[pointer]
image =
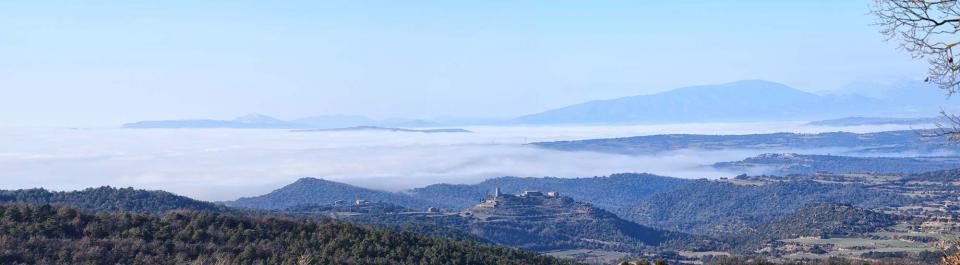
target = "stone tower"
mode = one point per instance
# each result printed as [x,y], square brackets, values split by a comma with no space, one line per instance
[496,193]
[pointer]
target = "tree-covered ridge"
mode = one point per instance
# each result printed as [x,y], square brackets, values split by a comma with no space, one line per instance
[540,223]
[944,176]
[109,199]
[367,207]
[827,220]
[555,223]
[878,142]
[63,235]
[386,216]
[718,207]
[306,191]
[610,192]
[820,220]
[789,163]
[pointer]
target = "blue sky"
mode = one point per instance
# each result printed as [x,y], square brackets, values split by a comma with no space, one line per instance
[108,62]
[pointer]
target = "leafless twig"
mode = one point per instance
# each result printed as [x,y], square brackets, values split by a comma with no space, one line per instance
[927,29]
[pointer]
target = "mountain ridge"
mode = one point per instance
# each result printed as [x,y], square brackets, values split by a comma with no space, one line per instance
[110,199]
[738,101]
[321,191]
[260,121]
[728,102]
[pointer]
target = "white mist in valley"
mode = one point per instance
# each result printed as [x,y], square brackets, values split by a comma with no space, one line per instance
[223,164]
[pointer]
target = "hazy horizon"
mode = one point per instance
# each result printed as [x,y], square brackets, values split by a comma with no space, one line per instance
[111,62]
[70,67]
[249,162]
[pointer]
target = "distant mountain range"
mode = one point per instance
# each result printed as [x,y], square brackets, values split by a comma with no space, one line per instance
[386,129]
[845,142]
[790,163]
[259,121]
[742,101]
[752,100]
[859,121]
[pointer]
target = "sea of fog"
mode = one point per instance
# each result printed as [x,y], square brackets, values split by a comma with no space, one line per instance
[223,164]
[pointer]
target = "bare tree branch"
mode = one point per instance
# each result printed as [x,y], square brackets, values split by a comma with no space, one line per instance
[927,29]
[950,128]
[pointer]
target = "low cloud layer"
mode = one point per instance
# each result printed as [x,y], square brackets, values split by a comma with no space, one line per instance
[226,164]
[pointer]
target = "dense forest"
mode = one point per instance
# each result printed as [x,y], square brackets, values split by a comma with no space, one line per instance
[109,199]
[735,215]
[544,223]
[826,220]
[387,216]
[63,235]
[831,261]
[539,224]
[713,207]
[935,176]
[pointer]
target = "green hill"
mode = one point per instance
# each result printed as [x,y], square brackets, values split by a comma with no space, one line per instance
[63,235]
[109,199]
[552,223]
[307,191]
[540,223]
[610,192]
[718,207]
[826,220]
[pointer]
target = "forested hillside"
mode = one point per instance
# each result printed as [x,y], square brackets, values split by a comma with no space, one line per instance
[108,199]
[821,220]
[609,192]
[538,223]
[307,191]
[826,220]
[945,176]
[713,207]
[63,235]
[551,223]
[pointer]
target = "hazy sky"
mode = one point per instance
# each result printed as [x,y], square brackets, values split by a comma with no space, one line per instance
[108,62]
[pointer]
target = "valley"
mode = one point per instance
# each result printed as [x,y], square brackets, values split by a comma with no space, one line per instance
[863,215]
[776,206]
[781,217]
